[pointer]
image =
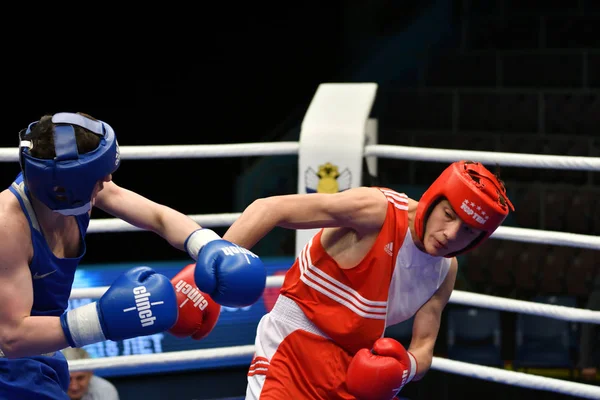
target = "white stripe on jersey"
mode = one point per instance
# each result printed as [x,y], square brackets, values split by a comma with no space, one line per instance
[399,200]
[336,290]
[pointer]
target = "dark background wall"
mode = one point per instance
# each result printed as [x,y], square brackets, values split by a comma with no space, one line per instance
[226,73]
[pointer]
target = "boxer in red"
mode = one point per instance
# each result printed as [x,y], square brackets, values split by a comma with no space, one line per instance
[379,259]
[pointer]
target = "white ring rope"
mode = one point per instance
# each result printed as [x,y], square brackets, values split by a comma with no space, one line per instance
[503,232]
[158,359]
[514,378]
[547,237]
[457,297]
[485,157]
[104,225]
[378,150]
[190,151]
[442,364]
[525,307]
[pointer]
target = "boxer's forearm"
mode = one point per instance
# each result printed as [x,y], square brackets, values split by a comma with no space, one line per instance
[34,335]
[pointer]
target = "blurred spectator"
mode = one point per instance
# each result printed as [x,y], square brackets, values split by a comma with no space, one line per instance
[84,384]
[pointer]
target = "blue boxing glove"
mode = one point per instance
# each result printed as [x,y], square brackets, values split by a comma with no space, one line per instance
[140,302]
[231,275]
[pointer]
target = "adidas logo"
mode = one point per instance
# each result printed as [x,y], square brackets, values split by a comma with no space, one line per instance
[389,248]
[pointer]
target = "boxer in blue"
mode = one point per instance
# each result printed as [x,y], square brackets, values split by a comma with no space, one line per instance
[67,161]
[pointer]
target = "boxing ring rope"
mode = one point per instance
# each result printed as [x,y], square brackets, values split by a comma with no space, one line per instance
[441,364]
[9,154]
[375,150]
[457,297]
[485,157]
[503,232]
[381,151]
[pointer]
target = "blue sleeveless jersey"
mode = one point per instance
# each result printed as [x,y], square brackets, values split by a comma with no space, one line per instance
[52,276]
[42,377]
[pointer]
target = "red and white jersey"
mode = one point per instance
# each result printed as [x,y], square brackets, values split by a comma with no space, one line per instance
[353,306]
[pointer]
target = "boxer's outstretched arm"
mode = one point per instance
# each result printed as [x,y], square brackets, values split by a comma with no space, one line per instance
[21,334]
[427,320]
[361,209]
[143,213]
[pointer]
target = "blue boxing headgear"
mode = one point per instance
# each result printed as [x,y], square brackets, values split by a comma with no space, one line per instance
[76,174]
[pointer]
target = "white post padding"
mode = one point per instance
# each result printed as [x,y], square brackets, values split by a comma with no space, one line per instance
[333,135]
[371,139]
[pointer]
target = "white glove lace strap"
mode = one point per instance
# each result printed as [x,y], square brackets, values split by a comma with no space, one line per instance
[413,367]
[84,325]
[197,240]
[411,373]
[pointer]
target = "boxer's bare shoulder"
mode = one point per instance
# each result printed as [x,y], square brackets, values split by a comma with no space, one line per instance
[14,228]
[11,215]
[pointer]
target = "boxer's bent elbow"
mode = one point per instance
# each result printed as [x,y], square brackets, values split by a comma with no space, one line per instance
[264,213]
[30,336]
[12,340]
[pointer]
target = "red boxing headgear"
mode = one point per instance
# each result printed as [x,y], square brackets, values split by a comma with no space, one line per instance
[475,194]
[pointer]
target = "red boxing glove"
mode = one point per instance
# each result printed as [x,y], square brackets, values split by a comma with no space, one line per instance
[198,312]
[379,374]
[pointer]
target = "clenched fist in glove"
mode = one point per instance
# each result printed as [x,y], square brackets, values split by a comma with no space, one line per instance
[231,275]
[380,373]
[140,302]
[198,312]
